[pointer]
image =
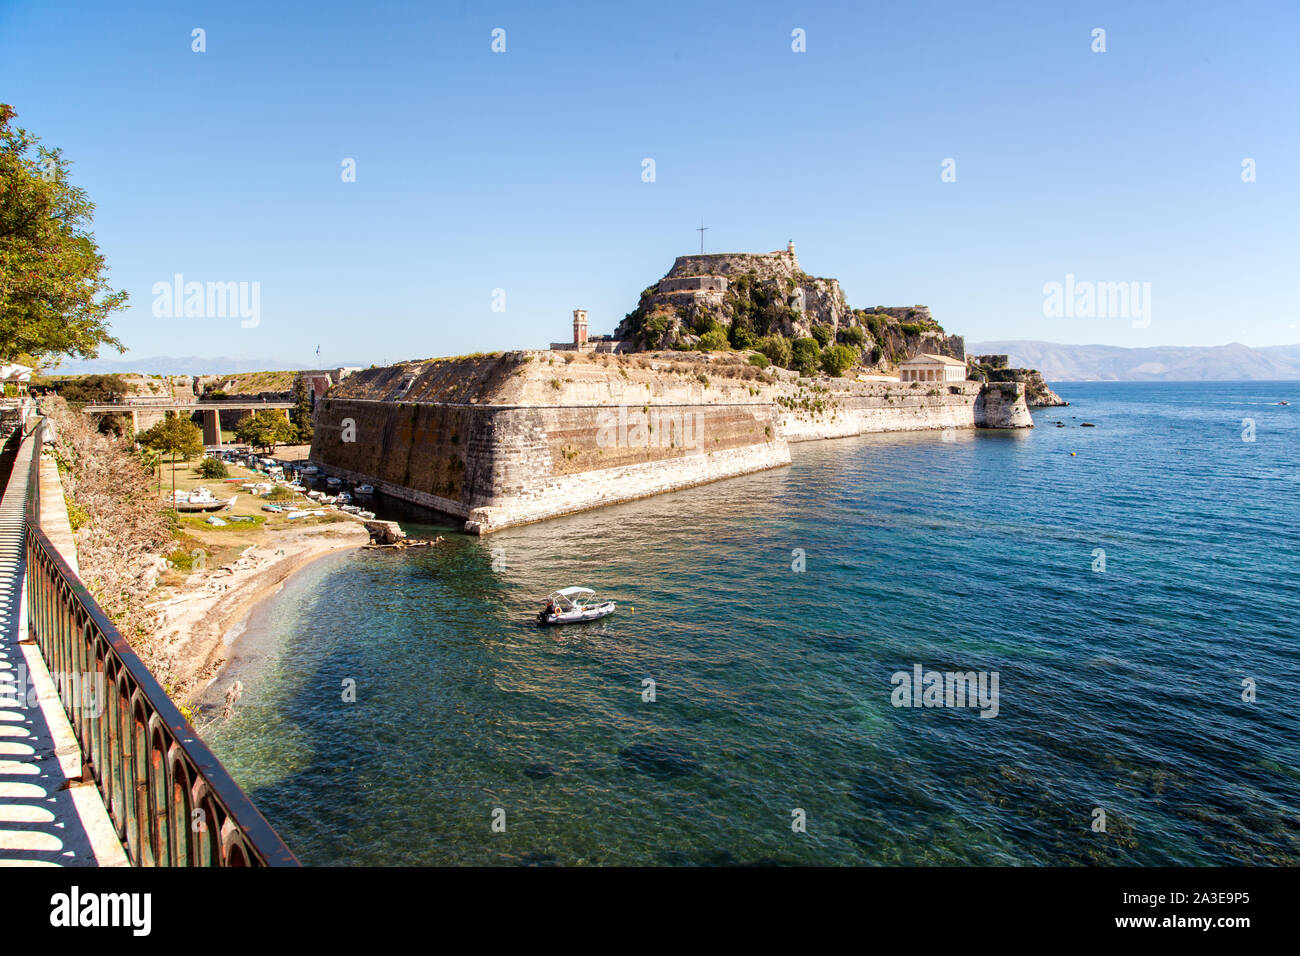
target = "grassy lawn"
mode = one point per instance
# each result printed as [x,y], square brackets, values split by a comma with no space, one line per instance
[216,546]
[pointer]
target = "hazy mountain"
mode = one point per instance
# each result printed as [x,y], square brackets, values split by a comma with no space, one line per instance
[1058,363]
[1164,363]
[166,365]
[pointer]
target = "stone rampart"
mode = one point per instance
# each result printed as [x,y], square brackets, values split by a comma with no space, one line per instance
[520,437]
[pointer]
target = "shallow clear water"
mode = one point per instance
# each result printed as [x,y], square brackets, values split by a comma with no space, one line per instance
[1119,690]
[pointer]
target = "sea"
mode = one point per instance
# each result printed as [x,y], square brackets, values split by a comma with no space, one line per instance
[782,682]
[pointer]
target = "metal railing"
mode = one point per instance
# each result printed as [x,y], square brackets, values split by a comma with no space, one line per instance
[170,800]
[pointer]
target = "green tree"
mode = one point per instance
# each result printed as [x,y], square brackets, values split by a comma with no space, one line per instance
[704,322]
[852,335]
[300,416]
[175,436]
[92,389]
[838,359]
[741,334]
[212,468]
[822,333]
[55,298]
[777,349]
[807,355]
[265,429]
[714,340]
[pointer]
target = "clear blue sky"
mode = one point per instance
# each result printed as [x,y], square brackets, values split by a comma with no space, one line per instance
[522,170]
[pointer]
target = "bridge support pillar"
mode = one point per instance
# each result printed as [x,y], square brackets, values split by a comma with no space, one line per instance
[212,427]
[135,423]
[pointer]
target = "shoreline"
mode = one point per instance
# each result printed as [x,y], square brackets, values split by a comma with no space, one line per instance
[212,604]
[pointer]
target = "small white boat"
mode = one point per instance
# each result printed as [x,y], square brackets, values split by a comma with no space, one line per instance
[333,482]
[345,498]
[572,606]
[364,490]
[366,515]
[200,503]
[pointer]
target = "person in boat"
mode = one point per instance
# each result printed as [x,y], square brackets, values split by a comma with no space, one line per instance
[550,608]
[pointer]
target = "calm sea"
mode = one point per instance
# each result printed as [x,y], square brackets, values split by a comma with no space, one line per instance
[1127,596]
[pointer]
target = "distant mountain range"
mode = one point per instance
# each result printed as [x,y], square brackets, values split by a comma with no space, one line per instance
[1162,363]
[1057,363]
[166,365]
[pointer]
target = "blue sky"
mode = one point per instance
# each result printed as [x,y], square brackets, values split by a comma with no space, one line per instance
[522,170]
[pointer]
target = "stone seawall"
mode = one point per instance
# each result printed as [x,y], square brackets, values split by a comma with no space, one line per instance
[497,465]
[864,408]
[511,439]
[565,494]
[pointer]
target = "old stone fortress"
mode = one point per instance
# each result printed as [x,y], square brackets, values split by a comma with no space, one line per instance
[699,282]
[516,437]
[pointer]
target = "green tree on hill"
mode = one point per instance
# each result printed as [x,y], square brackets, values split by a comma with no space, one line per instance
[92,389]
[777,348]
[265,429]
[714,340]
[175,436]
[852,335]
[55,298]
[806,355]
[838,359]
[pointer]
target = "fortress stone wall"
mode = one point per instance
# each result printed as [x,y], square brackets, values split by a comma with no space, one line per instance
[694,284]
[766,265]
[520,437]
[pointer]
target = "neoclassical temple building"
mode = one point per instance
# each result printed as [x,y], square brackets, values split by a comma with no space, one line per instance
[932,368]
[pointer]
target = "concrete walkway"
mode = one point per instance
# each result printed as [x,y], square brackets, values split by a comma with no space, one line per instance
[48,817]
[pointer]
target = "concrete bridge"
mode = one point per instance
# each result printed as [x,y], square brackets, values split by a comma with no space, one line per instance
[211,412]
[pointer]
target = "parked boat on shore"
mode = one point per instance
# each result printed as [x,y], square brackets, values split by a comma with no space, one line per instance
[200,500]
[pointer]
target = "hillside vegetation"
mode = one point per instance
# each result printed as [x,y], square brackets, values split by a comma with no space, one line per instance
[756,314]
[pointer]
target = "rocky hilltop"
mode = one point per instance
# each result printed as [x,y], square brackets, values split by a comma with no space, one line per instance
[766,302]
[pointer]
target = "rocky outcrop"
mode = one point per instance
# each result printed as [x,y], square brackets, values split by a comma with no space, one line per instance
[994,368]
[385,532]
[1037,392]
[746,297]
[1002,405]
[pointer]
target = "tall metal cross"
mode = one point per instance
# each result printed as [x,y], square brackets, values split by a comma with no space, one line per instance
[700,230]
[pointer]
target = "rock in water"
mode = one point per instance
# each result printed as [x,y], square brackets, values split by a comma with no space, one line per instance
[661,761]
[385,532]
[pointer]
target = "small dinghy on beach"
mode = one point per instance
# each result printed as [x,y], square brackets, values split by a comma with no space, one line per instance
[572,606]
[201,499]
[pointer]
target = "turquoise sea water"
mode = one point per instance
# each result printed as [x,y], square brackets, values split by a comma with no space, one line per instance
[1120,690]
